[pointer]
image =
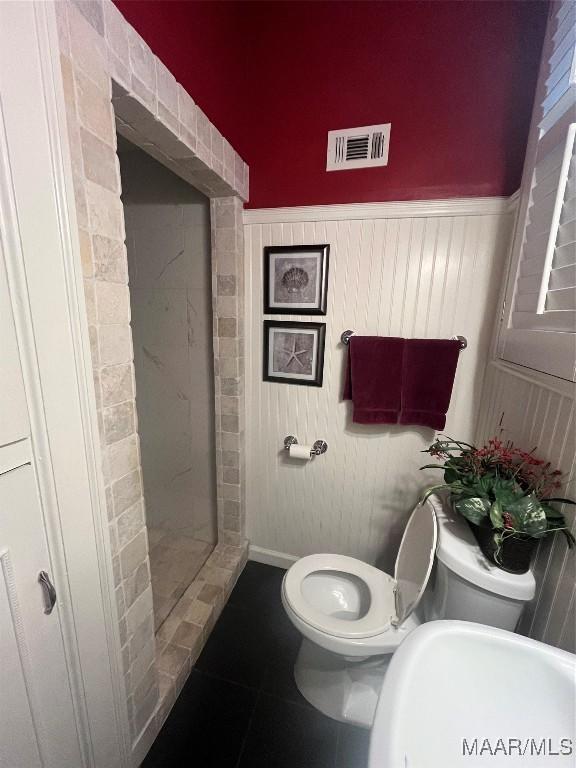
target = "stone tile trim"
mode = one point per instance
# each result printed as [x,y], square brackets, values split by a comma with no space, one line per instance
[183,634]
[112,81]
[228,310]
[151,108]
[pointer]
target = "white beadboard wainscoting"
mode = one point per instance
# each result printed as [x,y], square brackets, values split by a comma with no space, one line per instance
[536,410]
[422,269]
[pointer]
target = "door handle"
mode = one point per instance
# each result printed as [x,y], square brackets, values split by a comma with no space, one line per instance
[49,592]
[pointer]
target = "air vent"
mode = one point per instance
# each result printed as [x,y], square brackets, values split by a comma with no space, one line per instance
[364,147]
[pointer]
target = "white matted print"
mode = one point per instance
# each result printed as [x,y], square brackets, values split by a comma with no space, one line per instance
[296,279]
[294,352]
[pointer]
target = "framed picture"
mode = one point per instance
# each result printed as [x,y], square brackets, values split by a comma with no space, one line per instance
[295,279]
[294,352]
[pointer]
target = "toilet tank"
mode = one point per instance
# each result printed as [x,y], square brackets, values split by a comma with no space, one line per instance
[465,584]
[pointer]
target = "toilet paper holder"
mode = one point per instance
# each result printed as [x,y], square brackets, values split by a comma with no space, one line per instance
[319,447]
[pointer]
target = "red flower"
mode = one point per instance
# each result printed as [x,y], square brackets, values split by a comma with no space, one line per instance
[508,521]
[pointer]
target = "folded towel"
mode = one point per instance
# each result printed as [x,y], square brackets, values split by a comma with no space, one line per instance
[374,379]
[427,378]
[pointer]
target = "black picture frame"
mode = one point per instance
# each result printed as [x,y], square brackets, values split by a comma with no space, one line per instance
[296,279]
[312,378]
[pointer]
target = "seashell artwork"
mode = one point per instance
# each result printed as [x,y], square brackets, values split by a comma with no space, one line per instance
[295,279]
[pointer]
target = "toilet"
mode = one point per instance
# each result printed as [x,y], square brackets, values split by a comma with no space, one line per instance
[353,616]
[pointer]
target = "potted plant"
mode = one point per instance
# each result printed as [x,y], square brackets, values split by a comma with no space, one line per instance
[505,494]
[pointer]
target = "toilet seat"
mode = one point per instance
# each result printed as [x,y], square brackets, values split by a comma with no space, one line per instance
[391,600]
[379,585]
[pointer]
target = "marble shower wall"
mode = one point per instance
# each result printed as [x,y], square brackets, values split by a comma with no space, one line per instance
[168,243]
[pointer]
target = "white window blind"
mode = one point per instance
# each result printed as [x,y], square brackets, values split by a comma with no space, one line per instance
[559,66]
[541,323]
[559,295]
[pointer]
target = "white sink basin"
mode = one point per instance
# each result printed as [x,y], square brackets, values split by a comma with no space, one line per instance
[451,681]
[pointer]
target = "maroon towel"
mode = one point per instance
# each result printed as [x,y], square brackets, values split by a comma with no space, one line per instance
[374,379]
[427,379]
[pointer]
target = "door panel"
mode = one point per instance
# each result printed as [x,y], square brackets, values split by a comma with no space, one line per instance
[66,705]
[37,718]
[37,723]
[13,412]
[15,711]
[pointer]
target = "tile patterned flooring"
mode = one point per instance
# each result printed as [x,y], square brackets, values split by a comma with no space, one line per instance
[240,707]
[174,562]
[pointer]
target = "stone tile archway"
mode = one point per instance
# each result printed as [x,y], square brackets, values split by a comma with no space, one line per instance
[113,82]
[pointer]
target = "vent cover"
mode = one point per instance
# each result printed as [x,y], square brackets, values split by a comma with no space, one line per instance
[364,147]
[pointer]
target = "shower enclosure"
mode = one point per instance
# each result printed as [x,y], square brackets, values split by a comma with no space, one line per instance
[168,243]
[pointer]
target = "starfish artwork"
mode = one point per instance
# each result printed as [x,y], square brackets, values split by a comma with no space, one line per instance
[294,352]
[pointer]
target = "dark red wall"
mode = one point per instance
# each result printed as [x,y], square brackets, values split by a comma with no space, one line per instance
[455,79]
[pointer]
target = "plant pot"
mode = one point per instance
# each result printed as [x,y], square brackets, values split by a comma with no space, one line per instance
[515,553]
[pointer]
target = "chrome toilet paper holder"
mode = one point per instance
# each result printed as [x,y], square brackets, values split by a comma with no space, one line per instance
[319,447]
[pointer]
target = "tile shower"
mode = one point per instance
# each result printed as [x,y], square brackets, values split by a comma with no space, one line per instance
[168,244]
[114,83]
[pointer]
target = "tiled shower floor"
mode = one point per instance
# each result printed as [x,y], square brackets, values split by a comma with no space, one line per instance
[174,562]
[240,707]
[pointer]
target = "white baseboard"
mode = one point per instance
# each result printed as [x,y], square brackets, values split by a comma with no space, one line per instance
[271,557]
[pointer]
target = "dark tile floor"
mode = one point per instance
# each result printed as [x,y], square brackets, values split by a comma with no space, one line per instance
[240,707]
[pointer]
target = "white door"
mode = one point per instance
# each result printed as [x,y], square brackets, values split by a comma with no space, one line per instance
[37,721]
[62,703]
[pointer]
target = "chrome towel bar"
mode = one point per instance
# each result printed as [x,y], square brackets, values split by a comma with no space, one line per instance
[345,339]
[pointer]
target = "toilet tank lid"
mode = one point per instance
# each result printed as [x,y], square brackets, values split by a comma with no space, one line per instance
[458,550]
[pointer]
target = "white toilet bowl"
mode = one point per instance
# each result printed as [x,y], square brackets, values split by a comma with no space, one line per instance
[353,616]
[343,605]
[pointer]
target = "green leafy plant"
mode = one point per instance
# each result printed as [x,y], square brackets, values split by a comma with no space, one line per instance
[502,486]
